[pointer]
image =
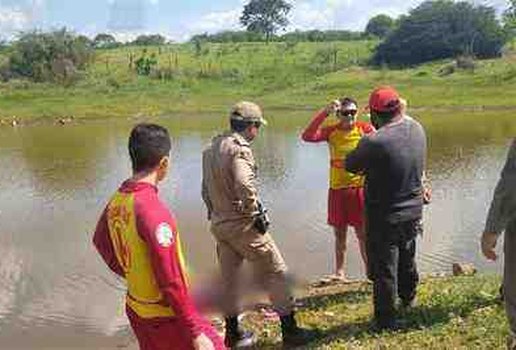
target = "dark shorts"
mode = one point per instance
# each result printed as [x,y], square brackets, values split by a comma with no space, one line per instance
[346,207]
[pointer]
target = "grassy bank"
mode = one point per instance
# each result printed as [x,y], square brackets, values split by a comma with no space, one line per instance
[452,313]
[210,77]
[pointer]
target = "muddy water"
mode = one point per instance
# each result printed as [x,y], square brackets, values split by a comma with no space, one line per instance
[54,180]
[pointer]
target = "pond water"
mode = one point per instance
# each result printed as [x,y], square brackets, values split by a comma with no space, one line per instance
[54,181]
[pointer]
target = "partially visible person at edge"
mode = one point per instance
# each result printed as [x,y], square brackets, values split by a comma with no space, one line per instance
[346,192]
[137,238]
[240,226]
[502,218]
[392,160]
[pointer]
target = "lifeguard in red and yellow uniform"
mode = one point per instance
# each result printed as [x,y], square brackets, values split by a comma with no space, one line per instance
[346,193]
[138,239]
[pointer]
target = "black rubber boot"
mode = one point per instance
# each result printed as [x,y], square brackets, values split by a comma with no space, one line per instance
[294,335]
[236,337]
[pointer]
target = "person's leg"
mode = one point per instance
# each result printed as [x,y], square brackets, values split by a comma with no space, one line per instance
[361,237]
[271,270]
[509,281]
[356,217]
[384,289]
[340,250]
[337,219]
[408,277]
[383,266]
[230,262]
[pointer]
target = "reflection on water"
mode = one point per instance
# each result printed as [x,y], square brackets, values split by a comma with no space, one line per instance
[54,181]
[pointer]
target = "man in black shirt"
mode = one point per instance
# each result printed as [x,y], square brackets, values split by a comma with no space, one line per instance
[392,161]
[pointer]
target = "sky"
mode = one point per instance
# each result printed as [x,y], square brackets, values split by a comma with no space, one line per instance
[180,19]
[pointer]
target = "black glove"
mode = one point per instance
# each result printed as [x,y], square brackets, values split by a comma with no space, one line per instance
[261,220]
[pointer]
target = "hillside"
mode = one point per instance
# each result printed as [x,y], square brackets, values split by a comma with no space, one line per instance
[209,77]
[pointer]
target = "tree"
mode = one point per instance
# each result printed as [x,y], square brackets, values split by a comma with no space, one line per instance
[443,29]
[380,26]
[85,40]
[105,41]
[149,40]
[54,56]
[509,18]
[265,16]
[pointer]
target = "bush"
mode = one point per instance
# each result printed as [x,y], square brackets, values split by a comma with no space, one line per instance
[149,40]
[442,29]
[296,36]
[56,56]
[229,36]
[145,64]
[322,36]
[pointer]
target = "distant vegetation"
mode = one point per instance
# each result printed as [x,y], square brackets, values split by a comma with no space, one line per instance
[149,40]
[443,29]
[295,36]
[156,80]
[57,56]
[436,29]
[509,18]
[105,41]
[380,26]
[265,16]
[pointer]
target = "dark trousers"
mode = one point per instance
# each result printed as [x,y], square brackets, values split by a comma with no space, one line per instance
[391,250]
[509,276]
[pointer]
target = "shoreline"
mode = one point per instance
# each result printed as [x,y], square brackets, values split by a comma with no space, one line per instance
[451,312]
[60,121]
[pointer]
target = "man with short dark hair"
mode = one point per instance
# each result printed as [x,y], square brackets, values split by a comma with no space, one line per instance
[240,226]
[392,161]
[137,238]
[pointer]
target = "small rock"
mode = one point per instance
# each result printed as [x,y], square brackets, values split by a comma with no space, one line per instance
[63,121]
[323,282]
[463,269]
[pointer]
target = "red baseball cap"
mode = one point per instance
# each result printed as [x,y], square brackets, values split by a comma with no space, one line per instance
[384,99]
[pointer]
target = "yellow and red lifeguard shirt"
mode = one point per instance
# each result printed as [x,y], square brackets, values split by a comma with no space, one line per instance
[341,142]
[137,238]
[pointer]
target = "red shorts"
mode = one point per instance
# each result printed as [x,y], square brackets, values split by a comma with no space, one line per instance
[346,207]
[168,333]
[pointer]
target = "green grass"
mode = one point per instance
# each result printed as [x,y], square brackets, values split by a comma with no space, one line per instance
[452,313]
[279,76]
